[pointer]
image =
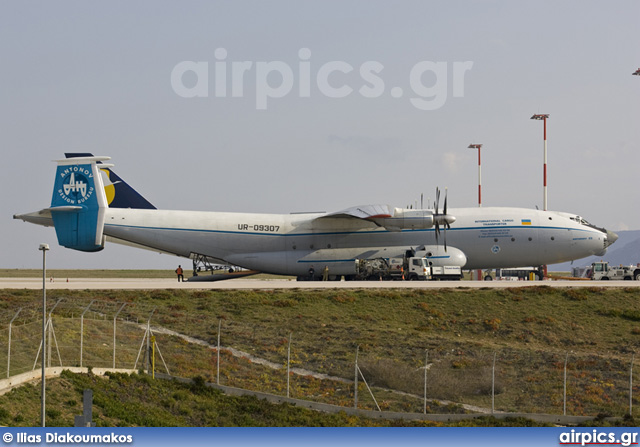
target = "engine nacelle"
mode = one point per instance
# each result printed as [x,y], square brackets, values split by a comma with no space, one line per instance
[404,219]
[438,257]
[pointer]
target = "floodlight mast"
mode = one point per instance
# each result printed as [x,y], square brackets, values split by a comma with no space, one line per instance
[543,117]
[44,248]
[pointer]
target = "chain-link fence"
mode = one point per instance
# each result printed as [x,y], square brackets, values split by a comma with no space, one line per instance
[269,358]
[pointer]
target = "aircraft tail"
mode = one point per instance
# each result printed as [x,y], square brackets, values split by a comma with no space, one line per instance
[119,194]
[78,203]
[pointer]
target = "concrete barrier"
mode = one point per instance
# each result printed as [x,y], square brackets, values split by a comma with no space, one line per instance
[8,384]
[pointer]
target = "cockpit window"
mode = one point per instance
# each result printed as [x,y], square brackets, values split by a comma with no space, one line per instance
[581,221]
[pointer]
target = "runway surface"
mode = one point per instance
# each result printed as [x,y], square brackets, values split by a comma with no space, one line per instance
[242,283]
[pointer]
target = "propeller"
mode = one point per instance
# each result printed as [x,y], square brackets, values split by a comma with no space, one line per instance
[442,218]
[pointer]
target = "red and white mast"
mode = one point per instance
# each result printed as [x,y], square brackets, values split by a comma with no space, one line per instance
[543,117]
[478,146]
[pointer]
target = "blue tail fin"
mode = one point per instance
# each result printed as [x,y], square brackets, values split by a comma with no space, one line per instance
[119,194]
[78,204]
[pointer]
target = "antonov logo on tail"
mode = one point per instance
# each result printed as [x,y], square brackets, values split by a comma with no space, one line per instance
[74,186]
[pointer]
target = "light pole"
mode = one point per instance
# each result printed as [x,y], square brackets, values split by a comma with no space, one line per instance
[43,248]
[479,147]
[544,117]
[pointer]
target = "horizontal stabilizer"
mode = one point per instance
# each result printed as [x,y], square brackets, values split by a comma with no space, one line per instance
[64,208]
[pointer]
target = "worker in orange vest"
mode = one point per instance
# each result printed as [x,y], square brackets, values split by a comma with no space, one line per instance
[180,274]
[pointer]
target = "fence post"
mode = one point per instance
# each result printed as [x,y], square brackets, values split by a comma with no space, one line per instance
[631,387]
[82,329]
[564,407]
[493,383]
[114,334]
[355,380]
[288,362]
[50,332]
[9,352]
[218,363]
[149,339]
[426,365]
[153,356]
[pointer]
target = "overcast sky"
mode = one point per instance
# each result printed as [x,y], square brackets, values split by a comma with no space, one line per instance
[317,106]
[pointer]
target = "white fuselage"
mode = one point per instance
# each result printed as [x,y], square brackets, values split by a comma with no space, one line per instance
[291,243]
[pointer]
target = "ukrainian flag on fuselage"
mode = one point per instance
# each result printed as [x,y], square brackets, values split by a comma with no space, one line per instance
[526,221]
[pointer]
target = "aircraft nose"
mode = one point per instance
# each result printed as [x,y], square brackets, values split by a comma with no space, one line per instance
[611,238]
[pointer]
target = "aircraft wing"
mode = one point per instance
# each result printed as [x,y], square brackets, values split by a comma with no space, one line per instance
[366,212]
[392,219]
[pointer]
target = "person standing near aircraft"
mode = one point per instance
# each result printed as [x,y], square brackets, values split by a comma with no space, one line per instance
[180,274]
[325,273]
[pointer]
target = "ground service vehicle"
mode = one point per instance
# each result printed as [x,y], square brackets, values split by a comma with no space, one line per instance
[519,274]
[406,268]
[447,272]
[603,271]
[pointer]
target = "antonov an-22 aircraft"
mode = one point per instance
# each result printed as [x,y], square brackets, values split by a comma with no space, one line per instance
[91,205]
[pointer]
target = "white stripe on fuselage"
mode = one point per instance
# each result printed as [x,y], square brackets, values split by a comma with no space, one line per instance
[275,243]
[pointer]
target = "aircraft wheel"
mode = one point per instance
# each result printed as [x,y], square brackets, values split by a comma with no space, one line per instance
[488,278]
[637,276]
[627,278]
[605,278]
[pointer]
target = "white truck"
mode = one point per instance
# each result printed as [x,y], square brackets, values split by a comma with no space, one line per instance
[602,271]
[405,268]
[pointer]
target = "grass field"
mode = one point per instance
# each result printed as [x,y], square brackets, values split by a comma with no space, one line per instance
[529,330]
